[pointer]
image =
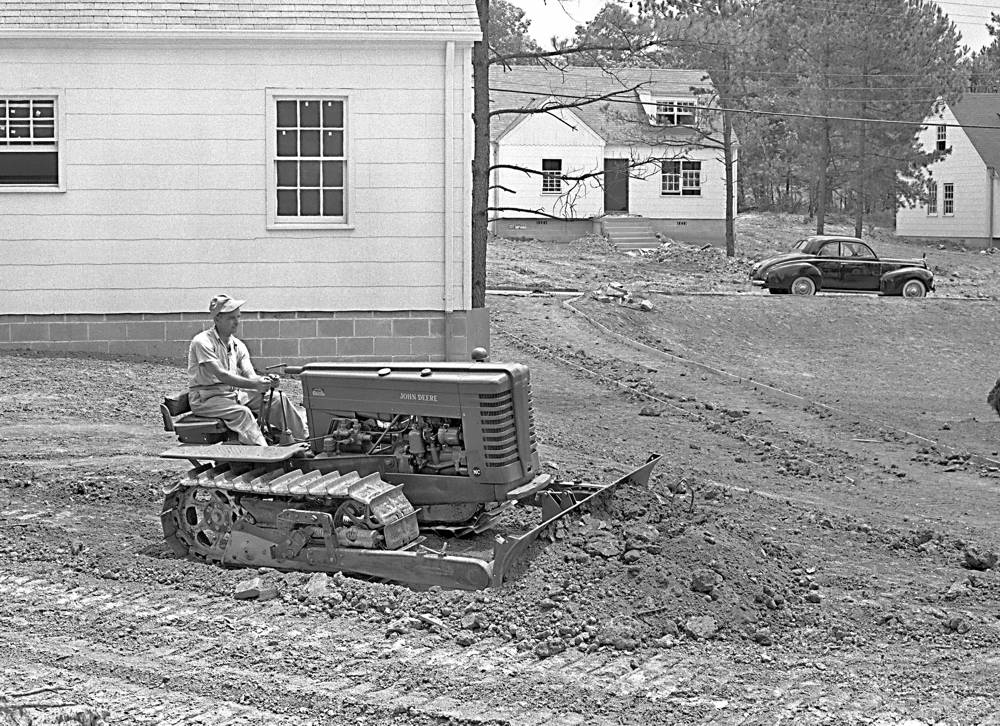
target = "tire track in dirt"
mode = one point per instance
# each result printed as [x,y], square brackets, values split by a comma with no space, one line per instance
[136,705]
[166,646]
[175,681]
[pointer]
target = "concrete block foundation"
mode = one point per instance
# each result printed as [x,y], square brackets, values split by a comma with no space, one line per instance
[273,338]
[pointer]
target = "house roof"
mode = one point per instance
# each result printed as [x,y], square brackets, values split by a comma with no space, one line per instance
[981,109]
[620,118]
[60,17]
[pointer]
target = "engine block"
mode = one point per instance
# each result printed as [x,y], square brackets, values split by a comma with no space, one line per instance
[451,432]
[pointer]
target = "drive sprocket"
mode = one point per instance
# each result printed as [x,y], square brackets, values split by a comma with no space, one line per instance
[197,521]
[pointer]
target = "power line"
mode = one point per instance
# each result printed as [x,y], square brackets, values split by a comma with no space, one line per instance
[852,8]
[611,98]
[759,72]
[990,6]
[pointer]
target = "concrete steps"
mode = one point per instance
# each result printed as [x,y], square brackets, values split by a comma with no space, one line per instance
[629,233]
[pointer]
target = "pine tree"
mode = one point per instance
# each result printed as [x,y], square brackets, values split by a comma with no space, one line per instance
[846,69]
[618,33]
[984,66]
[507,31]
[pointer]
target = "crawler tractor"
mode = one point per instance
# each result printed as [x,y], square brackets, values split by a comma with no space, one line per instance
[400,452]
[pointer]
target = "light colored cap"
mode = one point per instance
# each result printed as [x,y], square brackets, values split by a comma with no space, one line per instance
[222,303]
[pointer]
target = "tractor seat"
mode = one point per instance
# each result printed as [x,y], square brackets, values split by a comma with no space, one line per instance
[191,429]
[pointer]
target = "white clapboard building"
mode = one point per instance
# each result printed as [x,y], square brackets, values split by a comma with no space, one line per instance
[581,149]
[963,202]
[312,157]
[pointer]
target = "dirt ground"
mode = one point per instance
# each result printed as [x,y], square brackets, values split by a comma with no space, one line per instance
[818,545]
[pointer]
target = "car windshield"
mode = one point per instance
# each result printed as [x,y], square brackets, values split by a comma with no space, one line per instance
[801,244]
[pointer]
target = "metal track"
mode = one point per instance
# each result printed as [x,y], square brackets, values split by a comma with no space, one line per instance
[200,510]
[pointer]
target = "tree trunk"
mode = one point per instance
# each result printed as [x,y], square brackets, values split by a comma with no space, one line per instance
[859,184]
[727,151]
[725,98]
[481,157]
[821,172]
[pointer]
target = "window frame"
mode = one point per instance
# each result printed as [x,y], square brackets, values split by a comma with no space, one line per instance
[552,175]
[932,200]
[941,141]
[948,199]
[676,114]
[57,95]
[865,251]
[275,222]
[681,176]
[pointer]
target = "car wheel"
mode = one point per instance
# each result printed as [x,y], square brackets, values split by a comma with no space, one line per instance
[914,288]
[803,286]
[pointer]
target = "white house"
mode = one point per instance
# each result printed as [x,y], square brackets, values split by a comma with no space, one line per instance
[312,157]
[636,142]
[963,205]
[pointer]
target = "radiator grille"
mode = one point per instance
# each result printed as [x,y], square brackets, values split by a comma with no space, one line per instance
[531,419]
[499,427]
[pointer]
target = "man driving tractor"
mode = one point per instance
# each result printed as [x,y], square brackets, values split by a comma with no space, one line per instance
[222,382]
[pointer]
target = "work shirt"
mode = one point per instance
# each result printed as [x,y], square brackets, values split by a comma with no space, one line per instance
[208,346]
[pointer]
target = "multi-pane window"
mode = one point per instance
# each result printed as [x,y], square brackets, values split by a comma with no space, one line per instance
[949,198]
[551,176]
[29,153]
[675,113]
[681,178]
[942,138]
[932,199]
[309,158]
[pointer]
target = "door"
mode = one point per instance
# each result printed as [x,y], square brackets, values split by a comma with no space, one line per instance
[862,270]
[829,263]
[615,185]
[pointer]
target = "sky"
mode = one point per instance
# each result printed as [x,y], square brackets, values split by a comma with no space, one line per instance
[560,18]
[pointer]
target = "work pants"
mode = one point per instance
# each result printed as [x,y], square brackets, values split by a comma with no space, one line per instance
[239,410]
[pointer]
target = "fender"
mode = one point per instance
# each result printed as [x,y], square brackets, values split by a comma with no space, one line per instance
[781,275]
[892,282]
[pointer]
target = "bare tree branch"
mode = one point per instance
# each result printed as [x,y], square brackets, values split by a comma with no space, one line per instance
[539,212]
[505,58]
[634,163]
[584,101]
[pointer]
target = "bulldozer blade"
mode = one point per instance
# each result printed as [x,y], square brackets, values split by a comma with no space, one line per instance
[306,540]
[555,506]
[254,546]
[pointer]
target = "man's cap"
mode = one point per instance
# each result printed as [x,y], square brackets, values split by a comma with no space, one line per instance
[222,303]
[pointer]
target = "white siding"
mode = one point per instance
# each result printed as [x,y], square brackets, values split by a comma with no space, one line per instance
[964,168]
[560,135]
[164,145]
[645,187]
[543,136]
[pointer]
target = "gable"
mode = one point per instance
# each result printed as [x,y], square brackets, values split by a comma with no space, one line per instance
[625,97]
[979,115]
[561,127]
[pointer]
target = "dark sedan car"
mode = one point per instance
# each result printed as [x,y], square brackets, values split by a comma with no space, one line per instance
[841,264]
